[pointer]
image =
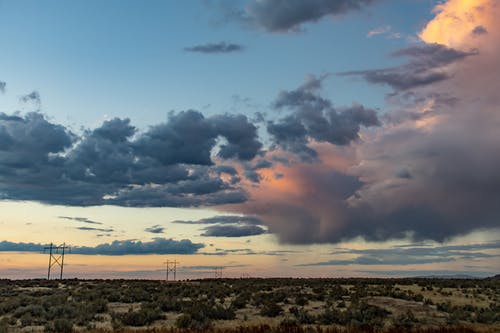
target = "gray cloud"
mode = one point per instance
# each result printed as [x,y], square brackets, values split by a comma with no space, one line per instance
[33,97]
[241,135]
[211,48]
[95,229]
[233,231]
[226,169]
[433,273]
[156,246]
[411,255]
[168,165]
[314,117]
[286,15]
[479,30]
[117,248]
[226,219]
[3,85]
[252,176]
[229,226]
[156,229]
[79,219]
[364,260]
[426,66]
[263,164]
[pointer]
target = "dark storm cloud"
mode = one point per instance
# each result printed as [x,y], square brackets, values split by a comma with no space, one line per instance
[117,248]
[285,15]
[79,219]
[241,135]
[167,165]
[156,229]
[226,169]
[233,231]
[425,67]
[226,219]
[188,137]
[314,117]
[211,48]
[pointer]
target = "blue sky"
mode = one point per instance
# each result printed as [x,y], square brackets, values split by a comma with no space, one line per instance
[323,136]
[90,59]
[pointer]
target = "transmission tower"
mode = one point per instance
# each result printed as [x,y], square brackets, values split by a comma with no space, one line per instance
[56,257]
[171,266]
[218,272]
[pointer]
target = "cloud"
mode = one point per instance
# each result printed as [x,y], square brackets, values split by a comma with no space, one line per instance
[411,255]
[215,48]
[363,260]
[230,170]
[249,252]
[432,273]
[20,247]
[79,219]
[156,229]
[229,226]
[233,231]
[118,247]
[170,164]
[427,66]
[314,118]
[226,219]
[479,30]
[3,85]
[289,15]
[430,175]
[263,164]
[33,97]
[385,30]
[94,229]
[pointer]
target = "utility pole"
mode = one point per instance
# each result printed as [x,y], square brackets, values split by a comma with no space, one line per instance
[218,272]
[171,266]
[56,257]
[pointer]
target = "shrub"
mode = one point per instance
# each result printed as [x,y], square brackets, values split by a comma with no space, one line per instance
[145,316]
[270,309]
[60,326]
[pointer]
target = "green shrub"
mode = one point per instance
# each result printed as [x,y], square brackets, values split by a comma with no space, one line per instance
[270,309]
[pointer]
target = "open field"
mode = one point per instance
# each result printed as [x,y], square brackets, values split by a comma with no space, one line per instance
[251,305]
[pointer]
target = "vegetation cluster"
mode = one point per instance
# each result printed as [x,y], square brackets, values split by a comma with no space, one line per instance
[293,305]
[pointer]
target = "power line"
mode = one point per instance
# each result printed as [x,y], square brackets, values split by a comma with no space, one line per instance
[171,266]
[56,257]
[218,272]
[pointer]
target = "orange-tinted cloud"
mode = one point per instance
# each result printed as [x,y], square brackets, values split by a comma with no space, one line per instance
[459,22]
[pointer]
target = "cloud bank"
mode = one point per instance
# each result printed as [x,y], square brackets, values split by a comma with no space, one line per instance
[117,248]
[426,170]
[170,164]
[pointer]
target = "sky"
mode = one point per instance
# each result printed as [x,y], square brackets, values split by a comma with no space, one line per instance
[272,138]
